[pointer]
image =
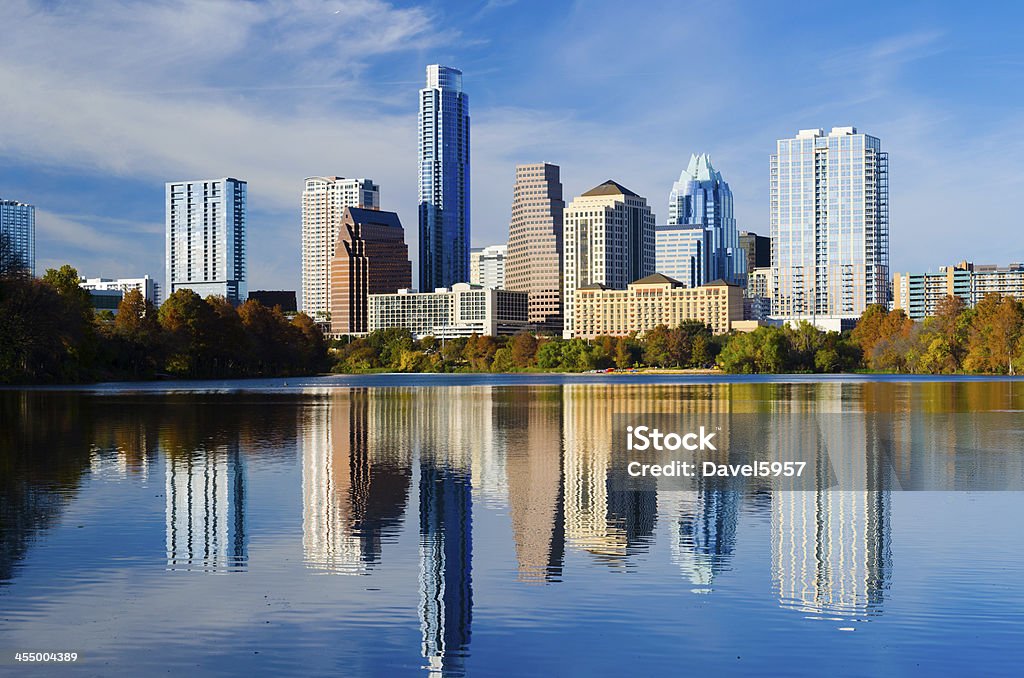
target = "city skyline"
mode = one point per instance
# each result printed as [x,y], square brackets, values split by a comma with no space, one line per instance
[278,124]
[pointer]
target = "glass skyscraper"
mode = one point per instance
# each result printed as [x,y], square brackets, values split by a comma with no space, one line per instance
[18,226]
[829,224]
[681,253]
[702,197]
[444,179]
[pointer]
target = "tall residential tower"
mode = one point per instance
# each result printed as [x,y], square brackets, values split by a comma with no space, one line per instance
[323,203]
[205,244]
[609,240]
[829,224]
[18,228]
[534,260]
[444,179]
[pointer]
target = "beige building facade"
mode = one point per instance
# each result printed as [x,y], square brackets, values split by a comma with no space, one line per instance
[653,301]
[609,241]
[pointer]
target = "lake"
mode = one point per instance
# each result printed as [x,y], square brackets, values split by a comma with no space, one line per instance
[483,525]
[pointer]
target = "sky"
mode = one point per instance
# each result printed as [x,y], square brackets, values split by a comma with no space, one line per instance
[104,102]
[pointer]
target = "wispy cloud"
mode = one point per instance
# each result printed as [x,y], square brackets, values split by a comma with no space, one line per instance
[275,91]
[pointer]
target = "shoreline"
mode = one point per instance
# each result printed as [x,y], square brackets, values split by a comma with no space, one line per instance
[664,377]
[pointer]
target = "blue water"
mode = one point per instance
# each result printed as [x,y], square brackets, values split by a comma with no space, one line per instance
[464,524]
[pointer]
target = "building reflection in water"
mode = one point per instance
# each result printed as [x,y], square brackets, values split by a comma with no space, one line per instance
[448,429]
[356,474]
[531,422]
[831,552]
[205,509]
[608,522]
[703,535]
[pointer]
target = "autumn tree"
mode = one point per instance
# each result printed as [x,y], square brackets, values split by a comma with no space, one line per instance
[994,335]
[523,351]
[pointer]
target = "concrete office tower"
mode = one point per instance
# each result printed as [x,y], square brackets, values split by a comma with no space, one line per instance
[487,266]
[682,253]
[444,179]
[609,240]
[534,261]
[18,231]
[323,203]
[370,257]
[702,197]
[829,224]
[206,238]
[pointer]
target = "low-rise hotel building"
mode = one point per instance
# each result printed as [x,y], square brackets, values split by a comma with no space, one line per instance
[118,287]
[446,313]
[919,294]
[657,300]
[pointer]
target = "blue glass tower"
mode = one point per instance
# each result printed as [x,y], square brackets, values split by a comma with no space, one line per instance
[18,229]
[702,197]
[444,179]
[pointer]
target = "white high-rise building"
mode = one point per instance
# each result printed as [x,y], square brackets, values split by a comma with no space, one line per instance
[487,266]
[324,200]
[829,224]
[205,244]
[609,240]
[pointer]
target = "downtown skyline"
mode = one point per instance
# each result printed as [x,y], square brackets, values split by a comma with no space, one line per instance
[287,123]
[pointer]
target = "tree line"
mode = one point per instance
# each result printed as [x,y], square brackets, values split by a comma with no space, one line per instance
[987,339]
[49,333]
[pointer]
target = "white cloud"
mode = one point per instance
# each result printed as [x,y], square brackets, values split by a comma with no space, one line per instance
[273,92]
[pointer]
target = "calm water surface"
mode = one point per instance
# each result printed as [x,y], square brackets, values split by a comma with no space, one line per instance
[450,525]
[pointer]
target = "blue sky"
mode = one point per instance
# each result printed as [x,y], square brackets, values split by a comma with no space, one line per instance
[105,101]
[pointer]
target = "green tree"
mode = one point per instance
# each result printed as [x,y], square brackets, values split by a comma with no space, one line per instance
[549,354]
[33,335]
[503,360]
[189,323]
[627,353]
[137,336]
[657,347]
